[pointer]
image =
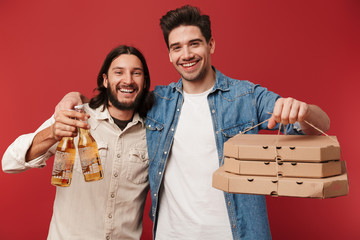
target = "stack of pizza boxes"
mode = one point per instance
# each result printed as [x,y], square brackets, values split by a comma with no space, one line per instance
[283,165]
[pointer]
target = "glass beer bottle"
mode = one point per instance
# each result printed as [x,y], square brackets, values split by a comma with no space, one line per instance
[63,162]
[89,154]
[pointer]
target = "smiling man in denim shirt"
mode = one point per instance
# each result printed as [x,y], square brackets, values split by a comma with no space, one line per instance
[186,130]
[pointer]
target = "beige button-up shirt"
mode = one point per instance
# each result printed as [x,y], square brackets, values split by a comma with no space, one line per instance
[111,208]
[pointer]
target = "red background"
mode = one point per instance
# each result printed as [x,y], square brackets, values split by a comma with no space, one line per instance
[305,49]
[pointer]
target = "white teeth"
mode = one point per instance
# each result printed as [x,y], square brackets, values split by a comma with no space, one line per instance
[126,90]
[189,64]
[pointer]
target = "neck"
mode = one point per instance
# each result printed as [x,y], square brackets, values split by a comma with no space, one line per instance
[123,115]
[200,85]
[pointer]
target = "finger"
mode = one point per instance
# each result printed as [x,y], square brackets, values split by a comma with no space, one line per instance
[60,130]
[61,134]
[276,115]
[271,123]
[71,118]
[64,128]
[286,110]
[303,111]
[293,115]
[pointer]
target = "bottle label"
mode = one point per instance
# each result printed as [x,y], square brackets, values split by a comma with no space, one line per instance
[63,164]
[89,159]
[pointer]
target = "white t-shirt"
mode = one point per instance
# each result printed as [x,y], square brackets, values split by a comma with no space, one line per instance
[189,207]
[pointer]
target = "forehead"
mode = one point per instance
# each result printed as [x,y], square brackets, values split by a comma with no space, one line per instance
[129,61]
[183,34]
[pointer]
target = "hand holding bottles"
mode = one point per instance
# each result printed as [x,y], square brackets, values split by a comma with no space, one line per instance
[67,123]
[64,129]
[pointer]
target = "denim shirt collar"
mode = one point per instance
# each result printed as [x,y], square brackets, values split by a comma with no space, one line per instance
[221,83]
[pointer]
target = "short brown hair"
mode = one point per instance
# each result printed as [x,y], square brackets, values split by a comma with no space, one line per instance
[186,16]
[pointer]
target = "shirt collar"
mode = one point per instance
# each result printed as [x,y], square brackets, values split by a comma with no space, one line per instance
[103,115]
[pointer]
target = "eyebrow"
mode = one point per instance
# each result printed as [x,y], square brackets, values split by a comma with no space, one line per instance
[121,68]
[191,41]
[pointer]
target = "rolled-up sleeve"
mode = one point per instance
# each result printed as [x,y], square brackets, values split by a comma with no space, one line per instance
[13,160]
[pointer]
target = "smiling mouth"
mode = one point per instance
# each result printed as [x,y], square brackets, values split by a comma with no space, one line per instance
[126,89]
[188,64]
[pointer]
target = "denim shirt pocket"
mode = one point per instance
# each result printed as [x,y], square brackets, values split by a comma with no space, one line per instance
[154,131]
[102,149]
[138,166]
[236,129]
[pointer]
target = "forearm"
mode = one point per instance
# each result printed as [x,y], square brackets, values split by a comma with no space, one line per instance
[42,142]
[316,117]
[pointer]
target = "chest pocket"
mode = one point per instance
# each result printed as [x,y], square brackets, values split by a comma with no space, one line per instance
[102,148]
[137,166]
[235,130]
[154,130]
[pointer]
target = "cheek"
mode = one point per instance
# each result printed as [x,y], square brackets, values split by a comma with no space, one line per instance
[174,57]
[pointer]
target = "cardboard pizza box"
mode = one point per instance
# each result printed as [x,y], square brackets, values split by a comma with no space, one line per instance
[285,169]
[304,148]
[283,186]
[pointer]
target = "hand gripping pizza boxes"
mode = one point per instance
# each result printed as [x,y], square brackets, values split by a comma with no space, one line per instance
[283,165]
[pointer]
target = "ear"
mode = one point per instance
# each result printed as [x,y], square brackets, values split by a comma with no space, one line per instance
[105,80]
[212,45]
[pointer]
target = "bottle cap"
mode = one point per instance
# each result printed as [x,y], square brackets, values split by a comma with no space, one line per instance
[79,107]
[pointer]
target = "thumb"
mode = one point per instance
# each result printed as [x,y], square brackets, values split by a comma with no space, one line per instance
[271,123]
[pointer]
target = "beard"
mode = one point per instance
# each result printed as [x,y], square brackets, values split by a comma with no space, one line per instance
[123,105]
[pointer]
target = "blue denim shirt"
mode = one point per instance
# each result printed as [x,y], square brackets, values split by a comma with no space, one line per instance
[235,106]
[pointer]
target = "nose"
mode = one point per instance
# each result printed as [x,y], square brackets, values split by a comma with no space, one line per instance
[187,54]
[128,78]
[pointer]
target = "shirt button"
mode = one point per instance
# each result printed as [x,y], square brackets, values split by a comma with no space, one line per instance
[107,237]
[112,195]
[116,175]
[118,155]
[110,216]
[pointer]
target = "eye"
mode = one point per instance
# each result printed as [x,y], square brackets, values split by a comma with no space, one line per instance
[138,73]
[118,72]
[195,44]
[175,48]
